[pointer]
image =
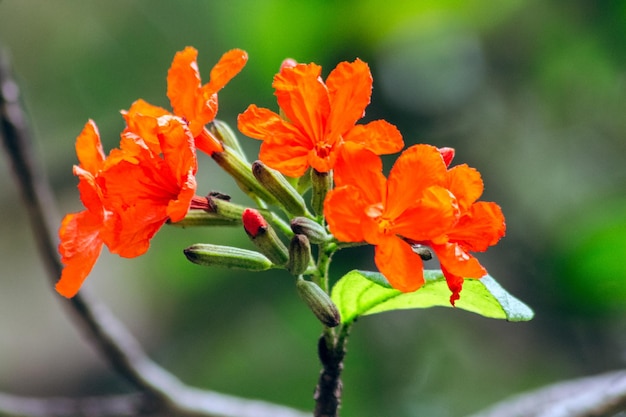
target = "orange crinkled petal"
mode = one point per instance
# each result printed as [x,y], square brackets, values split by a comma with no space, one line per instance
[89,148]
[141,120]
[285,154]
[343,208]
[379,136]
[416,169]
[466,185]
[303,97]
[482,226]
[362,169]
[284,147]
[350,89]
[457,261]
[399,264]
[180,156]
[432,215]
[229,65]
[79,248]
[184,83]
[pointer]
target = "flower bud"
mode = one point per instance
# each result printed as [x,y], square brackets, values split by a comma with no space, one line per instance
[321,183]
[299,255]
[264,237]
[319,302]
[280,188]
[225,134]
[447,154]
[241,171]
[311,229]
[203,218]
[227,256]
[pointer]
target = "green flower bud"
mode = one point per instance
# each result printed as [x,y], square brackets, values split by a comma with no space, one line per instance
[241,171]
[280,188]
[299,255]
[319,302]
[322,183]
[227,256]
[311,229]
[203,218]
[264,237]
[225,134]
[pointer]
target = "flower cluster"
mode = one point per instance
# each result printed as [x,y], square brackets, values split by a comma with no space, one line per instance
[150,179]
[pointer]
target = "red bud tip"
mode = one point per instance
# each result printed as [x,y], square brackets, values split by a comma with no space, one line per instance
[447,154]
[253,222]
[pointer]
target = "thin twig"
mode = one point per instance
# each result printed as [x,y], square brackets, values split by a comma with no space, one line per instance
[596,396]
[107,334]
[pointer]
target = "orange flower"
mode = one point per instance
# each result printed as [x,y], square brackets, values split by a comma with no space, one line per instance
[146,189]
[128,195]
[422,203]
[413,203]
[319,118]
[197,103]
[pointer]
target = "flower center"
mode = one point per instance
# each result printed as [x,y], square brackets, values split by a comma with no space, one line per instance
[375,212]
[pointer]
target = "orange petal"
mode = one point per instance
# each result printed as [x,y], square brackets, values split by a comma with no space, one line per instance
[399,264]
[481,227]
[350,89]
[378,136]
[304,99]
[141,120]
[180,156]
[264,124]
[342,208]
[417,168]
[362,169]
[90,192]
[284,147]
[286,155]
[457,261]
[229,65]
[79,248]
[183,83]
[89,148]
[466,185]
[433,215]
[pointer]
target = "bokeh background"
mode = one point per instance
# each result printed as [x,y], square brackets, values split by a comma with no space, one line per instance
[531,93]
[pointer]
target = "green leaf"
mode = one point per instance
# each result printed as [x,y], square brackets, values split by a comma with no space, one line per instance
[359,293]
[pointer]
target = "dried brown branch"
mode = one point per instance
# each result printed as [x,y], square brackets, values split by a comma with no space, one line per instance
[107,334]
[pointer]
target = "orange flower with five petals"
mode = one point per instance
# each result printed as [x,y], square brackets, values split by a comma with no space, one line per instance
[422,202]
[319,117]
[412,203]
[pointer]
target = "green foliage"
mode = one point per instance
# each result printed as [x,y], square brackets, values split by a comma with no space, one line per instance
[360,293]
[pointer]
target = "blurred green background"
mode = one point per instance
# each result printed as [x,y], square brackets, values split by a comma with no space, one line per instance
[531,93]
